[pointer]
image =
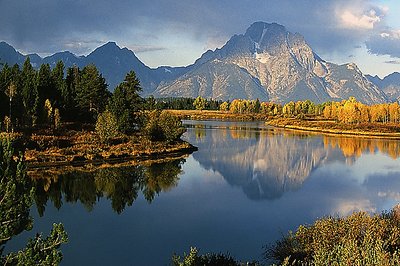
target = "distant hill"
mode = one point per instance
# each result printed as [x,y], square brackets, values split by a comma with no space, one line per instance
[389,84]
[266,62]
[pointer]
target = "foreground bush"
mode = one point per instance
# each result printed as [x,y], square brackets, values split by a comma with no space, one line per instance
[359,239]
[195,259]
[16,200]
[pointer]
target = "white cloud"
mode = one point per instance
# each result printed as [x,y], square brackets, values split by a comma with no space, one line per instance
[391,34]
[365,21]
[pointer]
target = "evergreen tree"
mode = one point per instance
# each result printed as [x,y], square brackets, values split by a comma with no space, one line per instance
[126,103]
[29,94]
[4,83]
[57,75]
[16,199]
[45,88]
[68,93]
[92,94]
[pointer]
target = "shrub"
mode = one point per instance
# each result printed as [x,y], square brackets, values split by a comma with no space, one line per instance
[163,126]
[106,126]
[171,126]
[359,239]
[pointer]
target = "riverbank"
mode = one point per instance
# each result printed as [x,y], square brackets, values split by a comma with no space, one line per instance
[77,148]
[328,127]
[373,130]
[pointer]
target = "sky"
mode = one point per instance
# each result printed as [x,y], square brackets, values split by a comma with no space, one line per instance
[176,32]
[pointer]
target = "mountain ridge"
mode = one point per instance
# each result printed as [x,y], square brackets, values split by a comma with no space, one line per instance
[266,62]
[390,85]
[282,62]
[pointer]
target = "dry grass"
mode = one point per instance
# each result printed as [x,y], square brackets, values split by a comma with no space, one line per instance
[331,127]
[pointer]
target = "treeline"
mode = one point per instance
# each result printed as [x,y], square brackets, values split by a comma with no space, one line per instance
[46,97]
[291,109]
[183,103]
[351,111]
[30,97]
[347,111]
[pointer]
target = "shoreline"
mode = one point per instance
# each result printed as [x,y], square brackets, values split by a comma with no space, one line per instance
[80,148]
[216,115]
[140,157]
[305,126]
[326,127]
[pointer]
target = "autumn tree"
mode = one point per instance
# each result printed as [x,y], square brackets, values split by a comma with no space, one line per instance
[106,126]
[199,103]
[11,92]
[224,106]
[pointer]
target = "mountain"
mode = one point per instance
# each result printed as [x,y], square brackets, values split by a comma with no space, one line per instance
[266,62]
[389,84]
[112,61]
[273,64]
[10,56]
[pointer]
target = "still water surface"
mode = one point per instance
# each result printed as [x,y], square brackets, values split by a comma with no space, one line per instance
[246,186]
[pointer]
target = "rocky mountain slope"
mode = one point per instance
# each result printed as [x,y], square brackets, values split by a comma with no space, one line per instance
[280,62]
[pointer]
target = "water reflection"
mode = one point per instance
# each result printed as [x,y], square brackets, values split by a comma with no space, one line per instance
[267,162]
[121,185]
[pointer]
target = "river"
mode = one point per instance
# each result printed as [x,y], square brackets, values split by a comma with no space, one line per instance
[246,186]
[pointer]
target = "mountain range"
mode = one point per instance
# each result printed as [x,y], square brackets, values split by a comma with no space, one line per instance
[389,84]
[266,62]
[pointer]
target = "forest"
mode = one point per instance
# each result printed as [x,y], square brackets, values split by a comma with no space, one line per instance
[46,98]
[348,111]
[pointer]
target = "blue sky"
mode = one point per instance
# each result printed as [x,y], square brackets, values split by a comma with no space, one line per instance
[176,33]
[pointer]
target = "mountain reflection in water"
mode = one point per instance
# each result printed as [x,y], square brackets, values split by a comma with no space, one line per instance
[267,162]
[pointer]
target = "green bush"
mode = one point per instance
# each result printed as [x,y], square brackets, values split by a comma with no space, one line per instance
[163,126]
[359,239]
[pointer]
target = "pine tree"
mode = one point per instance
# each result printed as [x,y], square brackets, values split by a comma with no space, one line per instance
[92,94]
[126,103]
